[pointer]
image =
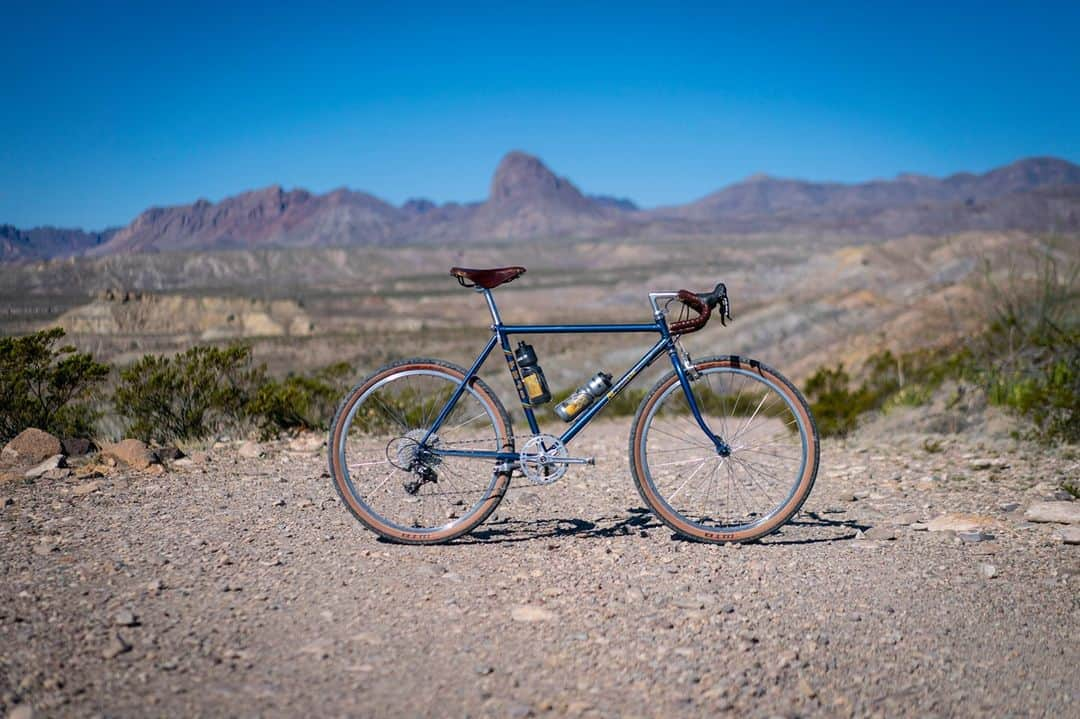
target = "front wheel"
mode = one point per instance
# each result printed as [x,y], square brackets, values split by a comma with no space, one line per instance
[386,464]
[701,492]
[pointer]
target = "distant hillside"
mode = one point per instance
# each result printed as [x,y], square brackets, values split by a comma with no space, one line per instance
[45,242]
[528,201]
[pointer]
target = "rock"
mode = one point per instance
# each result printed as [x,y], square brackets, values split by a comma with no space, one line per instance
[988,571]
[975,536]
[57,474]
[1062,512]
[77,447]
[531,613]
[125,618]
[31,446]
[988,463]
[183,463]
[132,452]
[1010,507]
[22,711]
[906,519]
[168,454]
[87,488]
[250,450]
[880,533]
[116,647]
[920,527]
[54,462]
[1069,534]
[307,443]
[955,522]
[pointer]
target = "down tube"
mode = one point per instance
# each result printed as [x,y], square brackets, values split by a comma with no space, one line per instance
[648,359]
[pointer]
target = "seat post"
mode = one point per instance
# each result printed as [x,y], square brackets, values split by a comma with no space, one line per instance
[495,318]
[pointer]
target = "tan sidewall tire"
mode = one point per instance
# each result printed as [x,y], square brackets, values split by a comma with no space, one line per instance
[677,523]
[465,524]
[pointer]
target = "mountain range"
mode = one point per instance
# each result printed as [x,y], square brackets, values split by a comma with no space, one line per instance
[527,201]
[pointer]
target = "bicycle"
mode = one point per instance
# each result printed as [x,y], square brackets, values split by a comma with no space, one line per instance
[721,450]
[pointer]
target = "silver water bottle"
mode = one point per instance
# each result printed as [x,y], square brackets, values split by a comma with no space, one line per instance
[580,400]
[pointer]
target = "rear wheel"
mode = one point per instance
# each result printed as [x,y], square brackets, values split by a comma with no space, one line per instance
[698,491]
[394,481]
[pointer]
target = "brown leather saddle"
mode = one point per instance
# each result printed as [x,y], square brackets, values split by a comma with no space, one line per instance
[487,279]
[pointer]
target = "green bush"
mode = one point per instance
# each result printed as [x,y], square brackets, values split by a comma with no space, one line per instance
[1029,359]
[300,401]
[47,387]
[187,396]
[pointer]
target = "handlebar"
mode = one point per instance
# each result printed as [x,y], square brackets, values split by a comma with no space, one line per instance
[702,303]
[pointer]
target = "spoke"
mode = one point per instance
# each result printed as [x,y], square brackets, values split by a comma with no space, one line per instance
[751,419]
[683,438]
[687,480]
[683,461]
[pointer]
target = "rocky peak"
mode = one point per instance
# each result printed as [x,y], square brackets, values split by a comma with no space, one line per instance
[521,176]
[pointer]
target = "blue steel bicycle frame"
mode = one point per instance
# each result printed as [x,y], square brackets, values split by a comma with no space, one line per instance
[501,335]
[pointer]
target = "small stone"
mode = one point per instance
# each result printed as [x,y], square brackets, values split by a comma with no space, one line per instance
[86,488]
[31,446]
[975,536]
[1010,507]
[22,711]
[905,520]
[77,447]
[728,609]
[125,618]
[132,452]
[987,463]
[1062,512]
[250,450]
[805,689]
[307,443]
[988,571]
[483,669]
[279,503]
[1069,534]
[531,613]
[168,454]
[116,647]
[880,533]
[919,527]
[955,522]
[54,462]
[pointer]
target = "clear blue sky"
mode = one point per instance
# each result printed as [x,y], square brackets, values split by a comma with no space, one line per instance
[109,108]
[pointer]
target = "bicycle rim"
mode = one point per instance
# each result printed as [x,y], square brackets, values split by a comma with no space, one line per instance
[392,482]
[752,491]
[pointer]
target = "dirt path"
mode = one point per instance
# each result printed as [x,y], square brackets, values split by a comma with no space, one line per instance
[243,587]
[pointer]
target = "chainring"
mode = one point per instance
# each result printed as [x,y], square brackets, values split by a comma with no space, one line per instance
[539,459]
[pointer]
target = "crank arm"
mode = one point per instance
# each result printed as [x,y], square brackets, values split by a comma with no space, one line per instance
[575,460]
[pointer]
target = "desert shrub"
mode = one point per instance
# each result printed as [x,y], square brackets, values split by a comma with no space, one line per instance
[836,407]
[300,401]
[1029,359]
[45,386]
[187,396]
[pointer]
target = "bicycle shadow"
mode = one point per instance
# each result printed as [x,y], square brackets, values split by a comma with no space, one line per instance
[639,520]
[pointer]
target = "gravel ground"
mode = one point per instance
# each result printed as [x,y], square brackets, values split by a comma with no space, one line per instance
[236,586]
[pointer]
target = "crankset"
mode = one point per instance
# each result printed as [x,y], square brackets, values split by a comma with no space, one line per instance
[543,459]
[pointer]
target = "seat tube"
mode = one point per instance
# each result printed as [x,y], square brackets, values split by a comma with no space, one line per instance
[496,320]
